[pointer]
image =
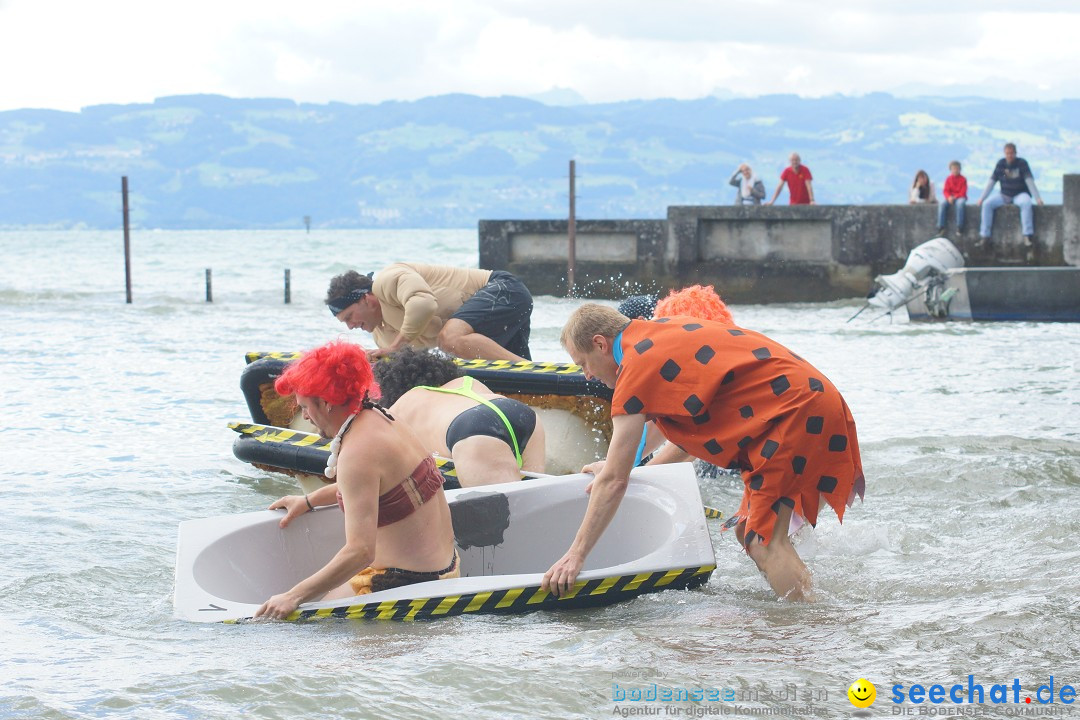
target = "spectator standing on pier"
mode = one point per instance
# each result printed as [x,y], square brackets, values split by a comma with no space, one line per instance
[751,189]
[1017,188]
[955,192]
[799,182]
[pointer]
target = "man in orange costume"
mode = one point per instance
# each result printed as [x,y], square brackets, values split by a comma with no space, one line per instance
[729,396]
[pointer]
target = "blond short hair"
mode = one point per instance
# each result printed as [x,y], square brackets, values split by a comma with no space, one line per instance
[589,320]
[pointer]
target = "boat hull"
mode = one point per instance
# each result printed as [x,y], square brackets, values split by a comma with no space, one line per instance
[1034,294]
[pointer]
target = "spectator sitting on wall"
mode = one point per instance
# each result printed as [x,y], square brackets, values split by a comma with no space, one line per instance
[799,182]
[751,189]
[922,190]
[1017,188]
[955,192]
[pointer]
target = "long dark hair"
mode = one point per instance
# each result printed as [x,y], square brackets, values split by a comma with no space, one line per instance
[924,191]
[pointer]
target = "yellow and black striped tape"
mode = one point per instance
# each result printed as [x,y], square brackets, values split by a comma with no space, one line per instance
[286,356]
[285,436]
[525,366]
[602,591]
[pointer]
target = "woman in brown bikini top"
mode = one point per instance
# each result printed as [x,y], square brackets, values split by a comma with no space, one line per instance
[389,522]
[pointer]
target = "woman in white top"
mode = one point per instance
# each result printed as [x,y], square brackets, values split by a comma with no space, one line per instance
[751,189]
[922,190]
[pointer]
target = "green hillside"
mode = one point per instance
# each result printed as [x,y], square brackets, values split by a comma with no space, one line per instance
[215,162]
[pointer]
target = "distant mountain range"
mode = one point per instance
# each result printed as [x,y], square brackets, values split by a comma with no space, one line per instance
[206,161]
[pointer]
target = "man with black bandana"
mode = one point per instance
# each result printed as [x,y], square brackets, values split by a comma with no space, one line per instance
[465,312]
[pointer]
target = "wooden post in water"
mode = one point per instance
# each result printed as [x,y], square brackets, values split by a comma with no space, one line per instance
[571,260]
[127,239]
[209,287]
[288,286]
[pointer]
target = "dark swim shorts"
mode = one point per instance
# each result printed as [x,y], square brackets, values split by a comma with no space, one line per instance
[501,310]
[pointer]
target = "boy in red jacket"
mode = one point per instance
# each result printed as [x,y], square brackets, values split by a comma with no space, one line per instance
[955,192]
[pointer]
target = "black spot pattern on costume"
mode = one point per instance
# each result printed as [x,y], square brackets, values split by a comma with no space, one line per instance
[798,464]
[756,481]
[735,332]
[745,441]
[783,501]
[693,404]
[633,406]
[814,424]
[816,385]
[713,447]
[838,443]
[769,448]
[704,354]
[691,327]
[762,353]
[780,385]
[746,411]
[643,345]
[702,418]
[670,370]
[826,484]
[729,377]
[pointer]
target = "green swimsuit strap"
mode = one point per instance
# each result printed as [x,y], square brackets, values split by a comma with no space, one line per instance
[466,391]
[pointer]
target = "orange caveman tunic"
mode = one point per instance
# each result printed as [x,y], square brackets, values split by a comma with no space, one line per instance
[737,399]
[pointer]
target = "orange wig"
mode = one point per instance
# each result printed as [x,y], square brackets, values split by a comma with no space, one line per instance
[338,372]
[695,301]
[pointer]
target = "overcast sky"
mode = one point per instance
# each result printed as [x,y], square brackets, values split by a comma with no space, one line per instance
[67,54]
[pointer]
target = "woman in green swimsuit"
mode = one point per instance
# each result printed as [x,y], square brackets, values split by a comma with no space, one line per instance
[491,438]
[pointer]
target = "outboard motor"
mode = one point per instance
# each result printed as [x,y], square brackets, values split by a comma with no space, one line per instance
[933,257]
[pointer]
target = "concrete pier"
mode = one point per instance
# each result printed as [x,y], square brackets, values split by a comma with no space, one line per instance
[805,253]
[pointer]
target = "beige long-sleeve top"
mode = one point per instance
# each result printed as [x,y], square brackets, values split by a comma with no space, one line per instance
[417,299]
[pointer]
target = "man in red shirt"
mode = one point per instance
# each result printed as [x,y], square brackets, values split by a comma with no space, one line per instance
[955,192]
[799,182]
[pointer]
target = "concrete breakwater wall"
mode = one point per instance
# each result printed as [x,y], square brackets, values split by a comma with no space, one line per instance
[766,254]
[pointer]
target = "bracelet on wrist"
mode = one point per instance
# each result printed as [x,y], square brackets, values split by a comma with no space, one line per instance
[310,507]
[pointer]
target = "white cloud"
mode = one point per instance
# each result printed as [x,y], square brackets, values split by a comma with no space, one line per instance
[72,53]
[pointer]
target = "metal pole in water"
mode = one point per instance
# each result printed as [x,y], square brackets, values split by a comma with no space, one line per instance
[127,238]
[209,287]
[572,232]
[288,286]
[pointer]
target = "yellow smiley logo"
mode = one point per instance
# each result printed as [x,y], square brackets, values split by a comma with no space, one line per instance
[862,693]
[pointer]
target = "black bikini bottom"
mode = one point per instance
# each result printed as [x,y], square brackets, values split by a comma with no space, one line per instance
[482,420]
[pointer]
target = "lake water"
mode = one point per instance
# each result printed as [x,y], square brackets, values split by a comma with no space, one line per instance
[962,561]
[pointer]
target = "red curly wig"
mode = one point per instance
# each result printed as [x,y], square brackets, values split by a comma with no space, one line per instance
[695,301]
[338,372]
